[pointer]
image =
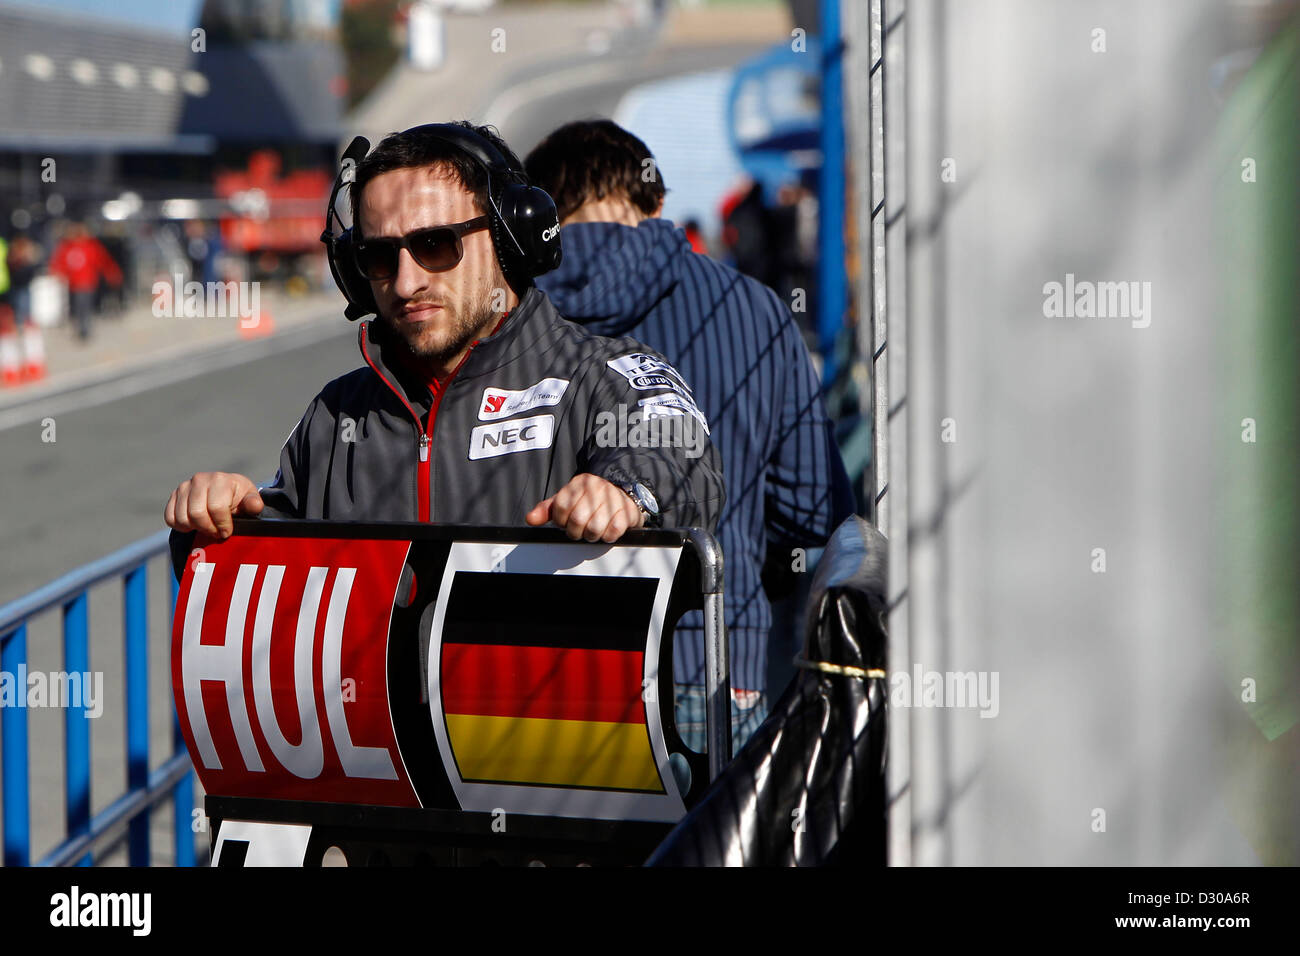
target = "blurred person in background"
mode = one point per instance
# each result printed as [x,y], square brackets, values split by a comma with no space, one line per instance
[22,349]
[695,236]
[628,272]
[110,296]
[776,242]
[791,225]
[202,242]
[82,261]
[744,231]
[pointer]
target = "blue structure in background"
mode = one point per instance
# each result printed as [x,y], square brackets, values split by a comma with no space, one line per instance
[773,117]
[832,281]
[785,117]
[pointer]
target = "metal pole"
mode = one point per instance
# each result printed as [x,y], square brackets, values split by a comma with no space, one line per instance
[832,284]
[894,408]
[183,798]
[13,740]
[76,724]
[717,655]
[858,118]
[878,288]
[136,627]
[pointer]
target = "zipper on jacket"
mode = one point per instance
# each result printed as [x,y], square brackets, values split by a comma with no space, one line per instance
[423,490]
[422,476]
[426,439]
[422,469]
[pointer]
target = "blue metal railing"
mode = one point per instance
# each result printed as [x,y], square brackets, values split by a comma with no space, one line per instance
[129,815]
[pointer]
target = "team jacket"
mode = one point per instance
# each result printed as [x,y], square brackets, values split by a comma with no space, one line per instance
[527,409]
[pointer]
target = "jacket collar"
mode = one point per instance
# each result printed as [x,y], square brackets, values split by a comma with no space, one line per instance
[379,350]
[529,324]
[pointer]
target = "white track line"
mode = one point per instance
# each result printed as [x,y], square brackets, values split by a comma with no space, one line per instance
[160,373]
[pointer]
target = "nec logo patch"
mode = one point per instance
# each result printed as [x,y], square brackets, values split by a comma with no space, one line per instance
[522,434]
[502,403]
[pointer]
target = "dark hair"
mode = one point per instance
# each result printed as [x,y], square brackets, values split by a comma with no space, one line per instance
[415,148]
[593,159]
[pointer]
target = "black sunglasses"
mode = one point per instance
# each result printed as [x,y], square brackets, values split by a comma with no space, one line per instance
[436,249]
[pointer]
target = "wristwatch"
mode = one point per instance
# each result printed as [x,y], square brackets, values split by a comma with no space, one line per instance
[644,499]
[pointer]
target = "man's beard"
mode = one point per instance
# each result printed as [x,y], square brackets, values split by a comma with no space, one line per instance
[455,330]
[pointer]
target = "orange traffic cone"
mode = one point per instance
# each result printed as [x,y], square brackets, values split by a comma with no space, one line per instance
[10,370]
[34,352]
[256,324]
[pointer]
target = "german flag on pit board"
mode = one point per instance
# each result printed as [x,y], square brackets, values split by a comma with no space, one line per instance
[548,692]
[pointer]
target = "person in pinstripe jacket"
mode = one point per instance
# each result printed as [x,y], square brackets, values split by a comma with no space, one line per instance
[628,272]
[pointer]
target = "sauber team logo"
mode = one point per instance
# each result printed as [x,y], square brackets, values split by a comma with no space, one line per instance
[502,403]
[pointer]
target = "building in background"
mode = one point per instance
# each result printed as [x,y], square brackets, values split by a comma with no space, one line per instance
[138,129]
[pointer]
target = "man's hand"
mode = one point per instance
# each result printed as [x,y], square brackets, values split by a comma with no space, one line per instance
[209,501]
[589,509]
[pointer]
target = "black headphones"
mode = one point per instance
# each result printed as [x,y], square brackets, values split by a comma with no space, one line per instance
[523,221]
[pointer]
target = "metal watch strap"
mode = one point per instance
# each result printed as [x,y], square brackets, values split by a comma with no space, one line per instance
[650,519]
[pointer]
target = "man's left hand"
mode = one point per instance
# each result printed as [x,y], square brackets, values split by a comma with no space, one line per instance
[588,508]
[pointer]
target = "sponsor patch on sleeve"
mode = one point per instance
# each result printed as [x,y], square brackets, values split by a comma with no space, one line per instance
[646,372]
[500,403]
[672,403]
